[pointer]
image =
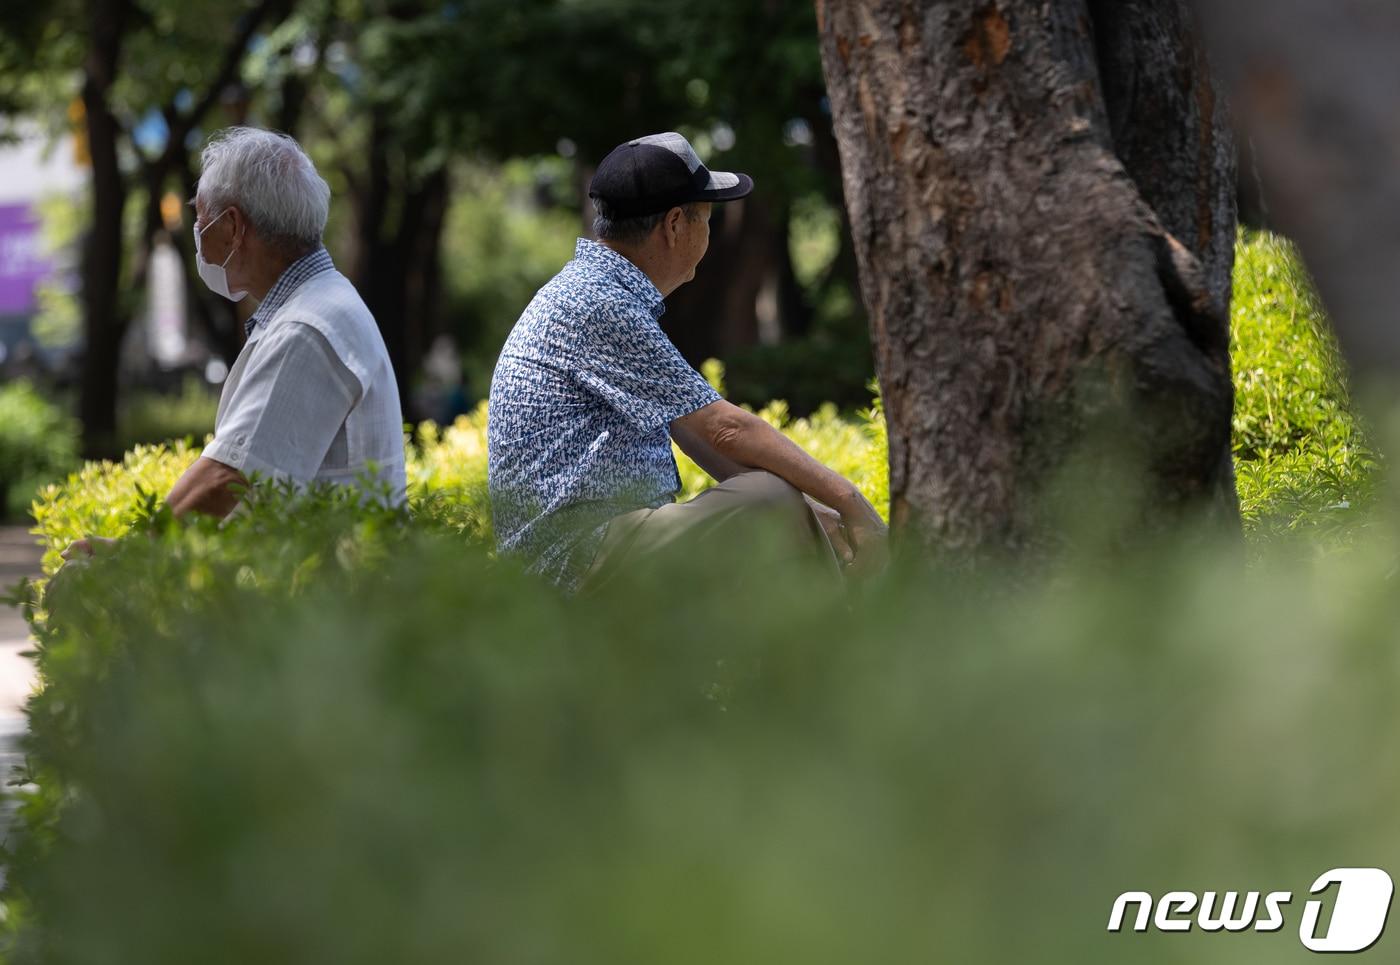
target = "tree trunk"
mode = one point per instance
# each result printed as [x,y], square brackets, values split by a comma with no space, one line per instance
[794,309]
[1041,197]
[396,269]
[104,320]
[424,280]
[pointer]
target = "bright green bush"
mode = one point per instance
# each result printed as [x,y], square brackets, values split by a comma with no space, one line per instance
[102,498]
[1302,457]
[446,469]
[37,441]
[447,474]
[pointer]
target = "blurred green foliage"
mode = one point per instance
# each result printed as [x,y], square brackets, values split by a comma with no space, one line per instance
[831,361]
[38,441]
[150,417]
[500,245]
[334,735]
[57,319]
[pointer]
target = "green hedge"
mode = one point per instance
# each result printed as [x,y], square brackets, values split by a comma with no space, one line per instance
[446,469]
[335,733]
[1303,460]
[326,736]
[38,441]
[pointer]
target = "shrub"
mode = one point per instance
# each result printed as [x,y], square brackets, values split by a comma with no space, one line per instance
[447,474]
[325,736]
[103,498]
[446,469]
[37,441]
[1302,457]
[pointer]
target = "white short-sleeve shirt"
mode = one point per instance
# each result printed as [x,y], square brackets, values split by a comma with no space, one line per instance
[312,395]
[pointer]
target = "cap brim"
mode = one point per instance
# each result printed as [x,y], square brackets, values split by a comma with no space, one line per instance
[726,186]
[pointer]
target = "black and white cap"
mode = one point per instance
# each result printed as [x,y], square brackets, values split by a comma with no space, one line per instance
[658,172]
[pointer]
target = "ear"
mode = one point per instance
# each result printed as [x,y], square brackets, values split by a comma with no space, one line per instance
[239,224]
[674,217]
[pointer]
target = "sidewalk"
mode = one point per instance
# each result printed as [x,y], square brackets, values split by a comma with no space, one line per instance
[19,557]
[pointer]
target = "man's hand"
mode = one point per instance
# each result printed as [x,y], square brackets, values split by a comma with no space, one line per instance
[835,530]
[86,547]
[867,535]
[743,438]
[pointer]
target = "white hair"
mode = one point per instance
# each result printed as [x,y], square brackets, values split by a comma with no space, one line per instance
[269,178]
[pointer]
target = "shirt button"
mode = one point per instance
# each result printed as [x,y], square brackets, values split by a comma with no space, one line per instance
[242,440]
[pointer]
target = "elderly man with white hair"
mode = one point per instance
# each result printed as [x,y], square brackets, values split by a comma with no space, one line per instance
[312,395]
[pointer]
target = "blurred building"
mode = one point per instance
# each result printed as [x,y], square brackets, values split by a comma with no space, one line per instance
[31,171]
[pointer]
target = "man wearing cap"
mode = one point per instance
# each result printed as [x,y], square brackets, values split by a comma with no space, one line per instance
[588,394]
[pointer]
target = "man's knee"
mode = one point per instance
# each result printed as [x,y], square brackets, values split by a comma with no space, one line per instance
[771,492]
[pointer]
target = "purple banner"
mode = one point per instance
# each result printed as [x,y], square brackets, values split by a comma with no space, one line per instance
[22,262]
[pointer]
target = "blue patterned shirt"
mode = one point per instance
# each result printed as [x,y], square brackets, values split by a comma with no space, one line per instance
[583,395]
[307,266]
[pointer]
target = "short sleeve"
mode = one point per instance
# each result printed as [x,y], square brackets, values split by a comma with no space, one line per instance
[627,360]
[288,407]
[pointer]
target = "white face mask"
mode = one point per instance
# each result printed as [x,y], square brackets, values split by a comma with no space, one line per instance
[214,275]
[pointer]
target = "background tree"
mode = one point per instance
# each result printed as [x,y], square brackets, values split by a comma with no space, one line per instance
[1042,205]
[146,74]
[401,103]
[535,77]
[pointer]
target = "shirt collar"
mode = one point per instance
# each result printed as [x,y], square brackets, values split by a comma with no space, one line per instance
[299,271]
[626,274]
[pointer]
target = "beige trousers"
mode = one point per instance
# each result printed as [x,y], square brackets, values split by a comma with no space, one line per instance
[713,518]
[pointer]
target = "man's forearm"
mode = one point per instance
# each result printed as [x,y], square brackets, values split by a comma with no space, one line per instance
[743,438]
[706,456]
[205,488]
[749,440]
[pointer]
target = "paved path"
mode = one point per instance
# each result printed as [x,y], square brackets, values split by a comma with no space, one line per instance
[19,557]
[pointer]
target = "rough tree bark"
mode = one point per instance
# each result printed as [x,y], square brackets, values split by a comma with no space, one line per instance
[1041,197]
[106,312]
